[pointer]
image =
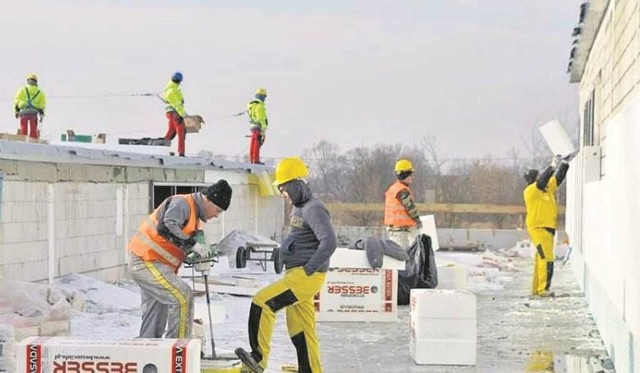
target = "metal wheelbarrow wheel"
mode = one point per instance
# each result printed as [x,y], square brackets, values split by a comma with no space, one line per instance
[242,255]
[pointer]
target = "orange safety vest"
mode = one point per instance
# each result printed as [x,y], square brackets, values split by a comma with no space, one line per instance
[149,245]
[395,215]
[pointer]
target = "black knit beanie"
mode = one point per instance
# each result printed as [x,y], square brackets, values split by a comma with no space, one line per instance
[219,193]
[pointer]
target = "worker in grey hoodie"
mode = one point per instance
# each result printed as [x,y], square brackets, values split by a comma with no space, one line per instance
[305,252]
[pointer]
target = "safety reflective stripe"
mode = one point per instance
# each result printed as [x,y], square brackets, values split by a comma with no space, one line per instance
[30,99]
[154,246]
[182,301]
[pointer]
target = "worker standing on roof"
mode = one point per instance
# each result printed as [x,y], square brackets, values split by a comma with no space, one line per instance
[28,103]
[400,213]
[306,252]
[258,123]
[157,250]
[542,213]
[172,96]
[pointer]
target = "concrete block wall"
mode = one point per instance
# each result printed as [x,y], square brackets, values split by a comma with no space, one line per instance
[24,230]
[79,218]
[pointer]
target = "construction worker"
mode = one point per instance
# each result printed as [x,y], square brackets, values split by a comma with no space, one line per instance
[400,213]
[542,213]
[305,251]
[28,103]
[172,96]
[258,123]
[157,250]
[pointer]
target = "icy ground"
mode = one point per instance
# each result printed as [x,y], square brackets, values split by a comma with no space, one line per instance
[511,326]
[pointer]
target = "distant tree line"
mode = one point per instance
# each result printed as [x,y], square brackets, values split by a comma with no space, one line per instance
[363,174]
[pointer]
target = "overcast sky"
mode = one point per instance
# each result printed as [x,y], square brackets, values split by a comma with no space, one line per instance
[480,76]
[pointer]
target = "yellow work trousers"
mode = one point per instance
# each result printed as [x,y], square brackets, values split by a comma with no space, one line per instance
[294,292]
[542,241]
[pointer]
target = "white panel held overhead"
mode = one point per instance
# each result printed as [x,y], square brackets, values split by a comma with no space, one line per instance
[557,138]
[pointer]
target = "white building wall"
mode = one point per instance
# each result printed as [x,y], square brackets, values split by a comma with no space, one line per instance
[52,228]
[603,213]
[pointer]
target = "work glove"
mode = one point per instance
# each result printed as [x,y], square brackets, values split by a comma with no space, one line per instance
[41,117]
[202,250]
[180,120]
[263,136]
[17,114]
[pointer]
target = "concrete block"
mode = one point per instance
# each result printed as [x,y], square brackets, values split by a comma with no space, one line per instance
[23,251]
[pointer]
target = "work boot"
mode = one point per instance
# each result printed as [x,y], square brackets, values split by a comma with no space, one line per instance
[546,294]
[248,361]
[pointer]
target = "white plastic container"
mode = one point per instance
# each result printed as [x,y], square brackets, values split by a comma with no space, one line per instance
[443,325]
[58,354]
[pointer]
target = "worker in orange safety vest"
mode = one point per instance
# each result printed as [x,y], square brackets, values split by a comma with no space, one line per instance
[400,214]
[157,250]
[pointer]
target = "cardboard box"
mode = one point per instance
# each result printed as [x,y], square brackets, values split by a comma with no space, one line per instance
[66,354]
[193,123]
[353,291]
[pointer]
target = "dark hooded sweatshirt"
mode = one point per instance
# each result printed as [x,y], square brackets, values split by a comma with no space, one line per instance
[311,240]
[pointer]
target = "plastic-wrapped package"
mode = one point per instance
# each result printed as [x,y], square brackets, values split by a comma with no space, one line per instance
[25,304]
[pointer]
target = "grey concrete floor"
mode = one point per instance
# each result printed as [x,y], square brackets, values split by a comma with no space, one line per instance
[513,331]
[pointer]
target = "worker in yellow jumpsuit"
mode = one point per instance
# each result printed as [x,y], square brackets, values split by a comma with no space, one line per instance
[305,253]
[542,213]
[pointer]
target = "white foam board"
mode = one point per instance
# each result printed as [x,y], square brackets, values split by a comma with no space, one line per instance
[556,138]
[429,228]
[347,258]
[444,304]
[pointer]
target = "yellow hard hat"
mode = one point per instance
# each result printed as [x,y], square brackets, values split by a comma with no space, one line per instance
[403,165]
[32,77]
[289,169]
[261,91]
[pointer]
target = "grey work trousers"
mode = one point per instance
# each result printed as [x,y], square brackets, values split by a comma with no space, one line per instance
[166,298]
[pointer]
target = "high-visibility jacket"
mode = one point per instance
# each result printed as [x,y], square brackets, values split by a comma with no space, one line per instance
[172,96]
[149,245]
[542,210]
[257,115]
[29,100]
[395,214]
